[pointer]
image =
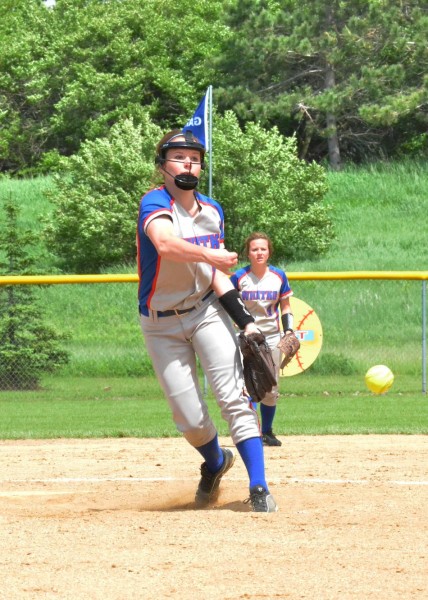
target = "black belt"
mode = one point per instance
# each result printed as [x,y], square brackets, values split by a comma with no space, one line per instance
[177,312]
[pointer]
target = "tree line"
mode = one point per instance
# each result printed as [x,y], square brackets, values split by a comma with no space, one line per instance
[347,79]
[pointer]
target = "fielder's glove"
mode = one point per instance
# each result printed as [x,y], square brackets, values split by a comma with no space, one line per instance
[288,345]
[259,366]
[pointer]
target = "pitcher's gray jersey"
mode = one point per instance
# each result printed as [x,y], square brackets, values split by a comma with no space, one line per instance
[166,284]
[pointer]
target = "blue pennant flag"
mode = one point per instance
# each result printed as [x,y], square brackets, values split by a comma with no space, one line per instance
[198,124]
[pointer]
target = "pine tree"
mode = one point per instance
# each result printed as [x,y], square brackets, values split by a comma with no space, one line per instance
[348,78]
[28,347]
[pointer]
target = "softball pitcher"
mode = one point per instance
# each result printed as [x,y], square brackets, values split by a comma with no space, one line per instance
[181,260]
[265,290]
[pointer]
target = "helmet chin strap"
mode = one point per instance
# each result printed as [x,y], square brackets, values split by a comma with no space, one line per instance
[184,181]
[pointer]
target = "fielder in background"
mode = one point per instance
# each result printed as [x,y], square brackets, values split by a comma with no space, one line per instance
[181,260]
[265,291]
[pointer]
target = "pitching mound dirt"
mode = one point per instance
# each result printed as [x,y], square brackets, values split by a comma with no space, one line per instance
[114,519]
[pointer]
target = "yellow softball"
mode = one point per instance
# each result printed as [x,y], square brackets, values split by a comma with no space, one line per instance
[379,379]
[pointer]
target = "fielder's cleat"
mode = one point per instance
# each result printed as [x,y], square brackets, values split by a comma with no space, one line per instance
[261,500]
[270,440]
[208,488]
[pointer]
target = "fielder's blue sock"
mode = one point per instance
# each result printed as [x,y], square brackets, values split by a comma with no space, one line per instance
[251,452]
[212,454]
[267,414]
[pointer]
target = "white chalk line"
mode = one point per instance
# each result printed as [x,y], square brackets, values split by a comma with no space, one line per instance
[305,480]
[33,493]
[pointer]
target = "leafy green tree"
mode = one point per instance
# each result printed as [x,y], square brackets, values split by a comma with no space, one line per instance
[348,77]
[28,347]
[257,178]
[263,185]
[25,97]
[78,68]
[96,197]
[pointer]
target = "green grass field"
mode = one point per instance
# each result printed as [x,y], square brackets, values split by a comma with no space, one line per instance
[135,407]
[108,389]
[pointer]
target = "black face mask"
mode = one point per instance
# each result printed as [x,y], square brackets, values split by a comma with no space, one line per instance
[186,181]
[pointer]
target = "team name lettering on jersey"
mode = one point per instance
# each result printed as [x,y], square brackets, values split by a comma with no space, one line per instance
[209,241]
[259,295]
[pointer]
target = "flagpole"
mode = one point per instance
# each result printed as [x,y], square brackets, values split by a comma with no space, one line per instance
[200,124]
[210,140]
[210,172]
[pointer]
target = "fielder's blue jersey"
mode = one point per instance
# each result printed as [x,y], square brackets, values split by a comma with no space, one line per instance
[166,284]
[262,296]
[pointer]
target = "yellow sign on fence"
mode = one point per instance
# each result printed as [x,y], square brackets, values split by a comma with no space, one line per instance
[309,331]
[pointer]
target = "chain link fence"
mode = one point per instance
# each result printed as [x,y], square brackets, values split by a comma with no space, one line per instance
[69,330]
[90,327]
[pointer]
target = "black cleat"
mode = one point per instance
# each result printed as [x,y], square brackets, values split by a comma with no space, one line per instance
[261,500]
[208,488]
[269,439]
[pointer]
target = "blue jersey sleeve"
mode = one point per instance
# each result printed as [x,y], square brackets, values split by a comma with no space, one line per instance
[157,201]
[285,286]
[234,281]
[238,275]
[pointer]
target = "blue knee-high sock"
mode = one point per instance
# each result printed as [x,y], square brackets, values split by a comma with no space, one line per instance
[212,454]
[267,414]
[251,452]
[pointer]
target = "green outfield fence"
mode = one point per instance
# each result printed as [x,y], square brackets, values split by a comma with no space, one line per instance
[296,276]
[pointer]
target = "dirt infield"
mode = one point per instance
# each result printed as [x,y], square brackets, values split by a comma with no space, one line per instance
[113,519]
